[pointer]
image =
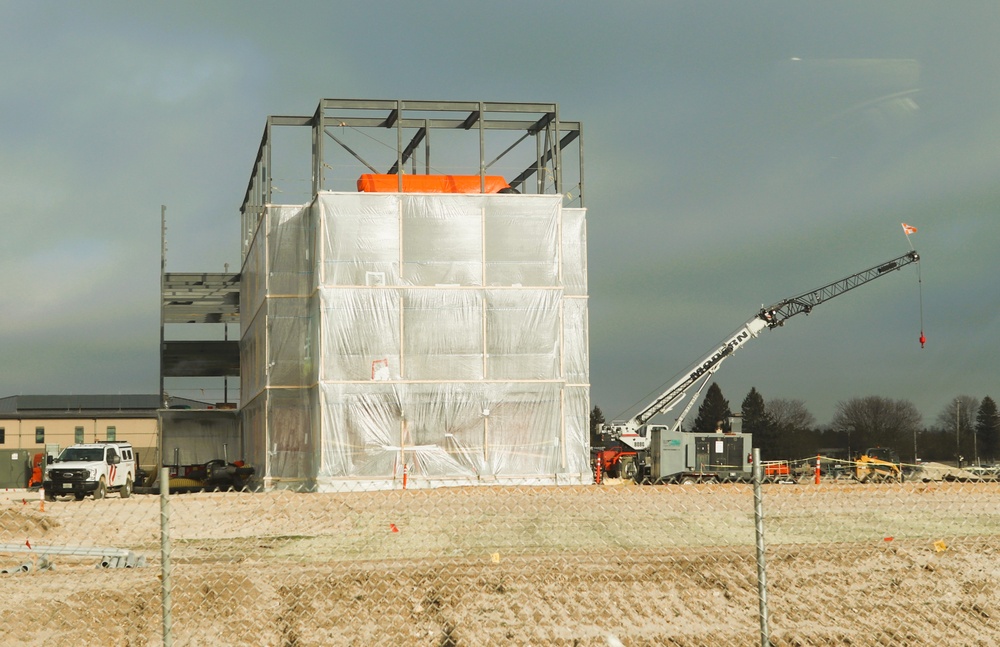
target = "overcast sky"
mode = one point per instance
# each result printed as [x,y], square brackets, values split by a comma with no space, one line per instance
[736,153]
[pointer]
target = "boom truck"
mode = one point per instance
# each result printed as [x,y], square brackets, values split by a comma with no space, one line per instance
[659,453]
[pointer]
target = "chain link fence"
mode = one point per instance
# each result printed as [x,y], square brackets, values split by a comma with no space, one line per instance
[912,563]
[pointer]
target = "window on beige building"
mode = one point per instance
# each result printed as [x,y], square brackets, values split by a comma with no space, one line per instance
[78,435]
[39,435]
[112,434]
[3,436]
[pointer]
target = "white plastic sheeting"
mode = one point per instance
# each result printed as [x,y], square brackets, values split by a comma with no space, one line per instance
[443,333]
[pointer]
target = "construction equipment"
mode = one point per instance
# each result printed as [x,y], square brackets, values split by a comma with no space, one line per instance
[779,471]
[681,457]
[38,462]
[629,450]
[215,475]
[878,465]
[616,461]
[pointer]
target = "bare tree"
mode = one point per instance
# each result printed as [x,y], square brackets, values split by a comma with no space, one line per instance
[793,426]
[878,421]
[790,415]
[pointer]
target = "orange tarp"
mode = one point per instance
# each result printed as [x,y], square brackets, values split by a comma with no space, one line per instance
[370,182]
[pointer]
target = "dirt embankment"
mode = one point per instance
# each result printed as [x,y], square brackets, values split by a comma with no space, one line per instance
[899,564]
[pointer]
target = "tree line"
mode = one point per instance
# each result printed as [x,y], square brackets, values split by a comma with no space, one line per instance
[966,431]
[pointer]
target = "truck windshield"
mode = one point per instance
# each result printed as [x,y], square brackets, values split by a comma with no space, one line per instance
[82,454]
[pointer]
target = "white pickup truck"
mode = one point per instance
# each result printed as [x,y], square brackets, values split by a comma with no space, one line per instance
[91,468]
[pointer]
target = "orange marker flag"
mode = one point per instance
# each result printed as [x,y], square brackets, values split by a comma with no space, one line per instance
[908,229]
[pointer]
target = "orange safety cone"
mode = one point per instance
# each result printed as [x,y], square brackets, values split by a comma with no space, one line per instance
[817,469]
[405,471]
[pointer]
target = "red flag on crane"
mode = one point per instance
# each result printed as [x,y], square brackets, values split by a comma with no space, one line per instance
[909,229]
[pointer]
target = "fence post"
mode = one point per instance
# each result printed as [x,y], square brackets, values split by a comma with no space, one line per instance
[758,514]
[168,638]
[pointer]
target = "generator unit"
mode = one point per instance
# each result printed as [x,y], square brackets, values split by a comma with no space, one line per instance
[688,457]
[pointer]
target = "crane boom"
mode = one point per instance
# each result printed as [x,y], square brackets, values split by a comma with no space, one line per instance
[773,316]
[805,302]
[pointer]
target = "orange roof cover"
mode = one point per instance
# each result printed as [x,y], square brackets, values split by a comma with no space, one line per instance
[372,183]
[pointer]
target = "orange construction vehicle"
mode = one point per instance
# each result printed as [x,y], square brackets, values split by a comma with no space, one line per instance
[617,461]
[37,470]
[776,470]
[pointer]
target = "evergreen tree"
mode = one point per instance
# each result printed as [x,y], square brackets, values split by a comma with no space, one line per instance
[596,421]
[757,421]
[714,410]
[988,429]
[958,417]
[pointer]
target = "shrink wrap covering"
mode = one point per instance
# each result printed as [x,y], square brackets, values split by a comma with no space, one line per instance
[446,332]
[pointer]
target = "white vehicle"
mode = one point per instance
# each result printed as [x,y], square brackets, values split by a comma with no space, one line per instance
[91,468]
[634,436]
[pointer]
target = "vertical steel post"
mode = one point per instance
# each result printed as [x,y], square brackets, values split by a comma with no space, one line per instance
[163,271]
[482,148]
[557,153]
[580,137]
[399,145]
[758,514]
[168,638]
[958,441]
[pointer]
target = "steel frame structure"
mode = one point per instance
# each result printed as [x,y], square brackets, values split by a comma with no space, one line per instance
[414,123]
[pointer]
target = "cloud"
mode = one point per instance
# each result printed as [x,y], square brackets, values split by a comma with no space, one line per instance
[720,172]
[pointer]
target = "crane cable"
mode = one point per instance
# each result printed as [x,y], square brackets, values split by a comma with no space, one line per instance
[920,291]
[907,230]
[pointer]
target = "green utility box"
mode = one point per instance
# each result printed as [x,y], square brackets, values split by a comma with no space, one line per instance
[15,468]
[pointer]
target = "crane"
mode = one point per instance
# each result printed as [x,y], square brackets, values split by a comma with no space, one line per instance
[632,433]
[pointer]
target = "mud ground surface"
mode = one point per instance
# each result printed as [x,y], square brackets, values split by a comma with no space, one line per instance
[846,564]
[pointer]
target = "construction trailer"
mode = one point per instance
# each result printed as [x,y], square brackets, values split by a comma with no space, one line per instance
[417,321]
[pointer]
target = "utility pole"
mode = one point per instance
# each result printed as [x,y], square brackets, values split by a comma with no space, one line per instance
[975,446]
[958,444]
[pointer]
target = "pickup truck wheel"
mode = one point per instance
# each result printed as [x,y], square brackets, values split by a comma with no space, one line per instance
[102,489]
[78,496]
[49,496]
[126,490]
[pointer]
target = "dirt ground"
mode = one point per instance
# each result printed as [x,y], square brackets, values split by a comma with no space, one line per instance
[846,564]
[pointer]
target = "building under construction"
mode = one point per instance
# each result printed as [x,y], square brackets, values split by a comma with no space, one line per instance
[412,299]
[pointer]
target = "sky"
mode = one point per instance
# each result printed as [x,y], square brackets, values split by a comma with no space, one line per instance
[736,154]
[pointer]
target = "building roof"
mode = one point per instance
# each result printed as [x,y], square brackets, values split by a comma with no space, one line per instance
[122,405]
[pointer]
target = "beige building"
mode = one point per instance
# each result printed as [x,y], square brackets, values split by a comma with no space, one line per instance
[38,424]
